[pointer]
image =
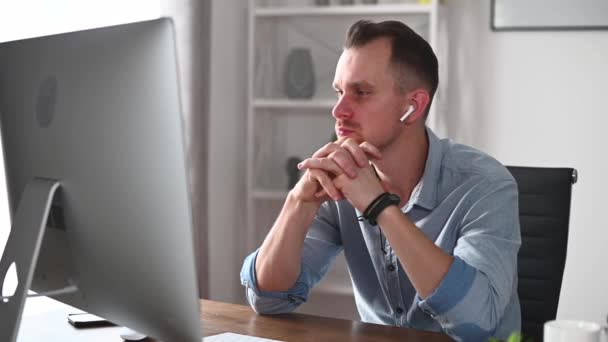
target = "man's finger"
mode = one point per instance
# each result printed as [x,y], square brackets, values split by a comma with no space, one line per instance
[324,164]
[358,154]
[329,148]
[345,161]
[326,150]
[371,150]
[326,183]
[322,196]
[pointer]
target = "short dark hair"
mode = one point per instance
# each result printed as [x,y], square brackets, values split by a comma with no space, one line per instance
[410,52]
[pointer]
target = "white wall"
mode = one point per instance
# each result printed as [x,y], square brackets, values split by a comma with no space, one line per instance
[537,98]
[227,129]
[31,18]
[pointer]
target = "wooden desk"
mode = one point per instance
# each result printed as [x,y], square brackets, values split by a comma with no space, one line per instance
[219,317]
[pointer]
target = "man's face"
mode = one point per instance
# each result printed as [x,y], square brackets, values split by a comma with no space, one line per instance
[369,105]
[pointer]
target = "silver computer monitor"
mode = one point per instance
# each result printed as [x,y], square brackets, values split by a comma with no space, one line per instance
[98,112]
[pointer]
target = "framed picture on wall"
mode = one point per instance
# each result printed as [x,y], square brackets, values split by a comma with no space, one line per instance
[520,15]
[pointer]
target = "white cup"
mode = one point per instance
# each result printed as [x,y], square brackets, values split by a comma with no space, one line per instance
[572,330]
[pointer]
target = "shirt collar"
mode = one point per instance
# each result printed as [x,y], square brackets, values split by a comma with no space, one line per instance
[425,193]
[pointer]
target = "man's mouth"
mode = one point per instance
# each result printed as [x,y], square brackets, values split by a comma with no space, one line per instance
[343,132]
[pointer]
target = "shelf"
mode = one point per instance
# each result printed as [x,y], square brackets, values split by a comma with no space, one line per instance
[270,194]
[297,104]
[345,10]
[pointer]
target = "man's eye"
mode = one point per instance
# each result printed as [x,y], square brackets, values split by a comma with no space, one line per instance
[362,93]
[338,92]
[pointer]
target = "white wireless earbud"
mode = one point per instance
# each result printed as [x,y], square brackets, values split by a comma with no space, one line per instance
[409,111]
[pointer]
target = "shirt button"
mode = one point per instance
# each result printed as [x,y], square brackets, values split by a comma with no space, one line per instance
[390,267]
[428,312]
[399,311]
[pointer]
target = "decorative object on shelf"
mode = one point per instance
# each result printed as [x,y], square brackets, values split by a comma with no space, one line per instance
[347,2]
[321,48]
[299,74]
[369,2]
[322,2]
[293,173]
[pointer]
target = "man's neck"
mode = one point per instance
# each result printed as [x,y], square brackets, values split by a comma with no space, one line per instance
[403,163]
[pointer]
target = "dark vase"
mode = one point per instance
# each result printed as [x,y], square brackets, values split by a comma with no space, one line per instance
[299,77]
[293,173]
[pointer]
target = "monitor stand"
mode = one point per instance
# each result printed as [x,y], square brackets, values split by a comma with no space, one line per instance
[22,249]
[131,335]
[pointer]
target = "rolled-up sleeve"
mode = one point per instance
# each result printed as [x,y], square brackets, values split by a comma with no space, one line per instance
[321,246]
[471,299]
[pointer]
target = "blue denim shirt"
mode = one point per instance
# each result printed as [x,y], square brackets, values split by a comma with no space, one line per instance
[467,204]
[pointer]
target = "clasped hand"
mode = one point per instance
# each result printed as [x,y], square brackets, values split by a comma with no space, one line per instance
[339,170]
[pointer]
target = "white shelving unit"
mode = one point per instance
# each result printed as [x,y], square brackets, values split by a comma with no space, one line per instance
[367,9]
[279,127]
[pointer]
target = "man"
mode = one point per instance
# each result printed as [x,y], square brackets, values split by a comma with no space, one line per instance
[429,228]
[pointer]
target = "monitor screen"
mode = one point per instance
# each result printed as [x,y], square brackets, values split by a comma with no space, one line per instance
[98,112]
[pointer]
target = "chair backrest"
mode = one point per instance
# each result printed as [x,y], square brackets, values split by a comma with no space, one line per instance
[544,212]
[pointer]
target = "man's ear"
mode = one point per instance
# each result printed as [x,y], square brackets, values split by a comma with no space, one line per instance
[417,105]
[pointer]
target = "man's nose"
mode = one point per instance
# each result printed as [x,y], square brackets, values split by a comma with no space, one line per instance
[342,109]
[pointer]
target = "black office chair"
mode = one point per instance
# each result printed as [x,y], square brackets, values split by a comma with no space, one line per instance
[544,212]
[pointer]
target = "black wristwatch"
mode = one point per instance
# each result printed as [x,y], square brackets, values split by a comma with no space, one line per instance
[378,205]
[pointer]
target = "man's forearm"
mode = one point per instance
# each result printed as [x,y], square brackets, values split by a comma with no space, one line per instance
[278,262]
[425,264]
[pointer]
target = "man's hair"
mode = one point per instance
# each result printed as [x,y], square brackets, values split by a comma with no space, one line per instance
[411,55]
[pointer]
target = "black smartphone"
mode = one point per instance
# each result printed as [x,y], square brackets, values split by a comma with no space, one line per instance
[87,320]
